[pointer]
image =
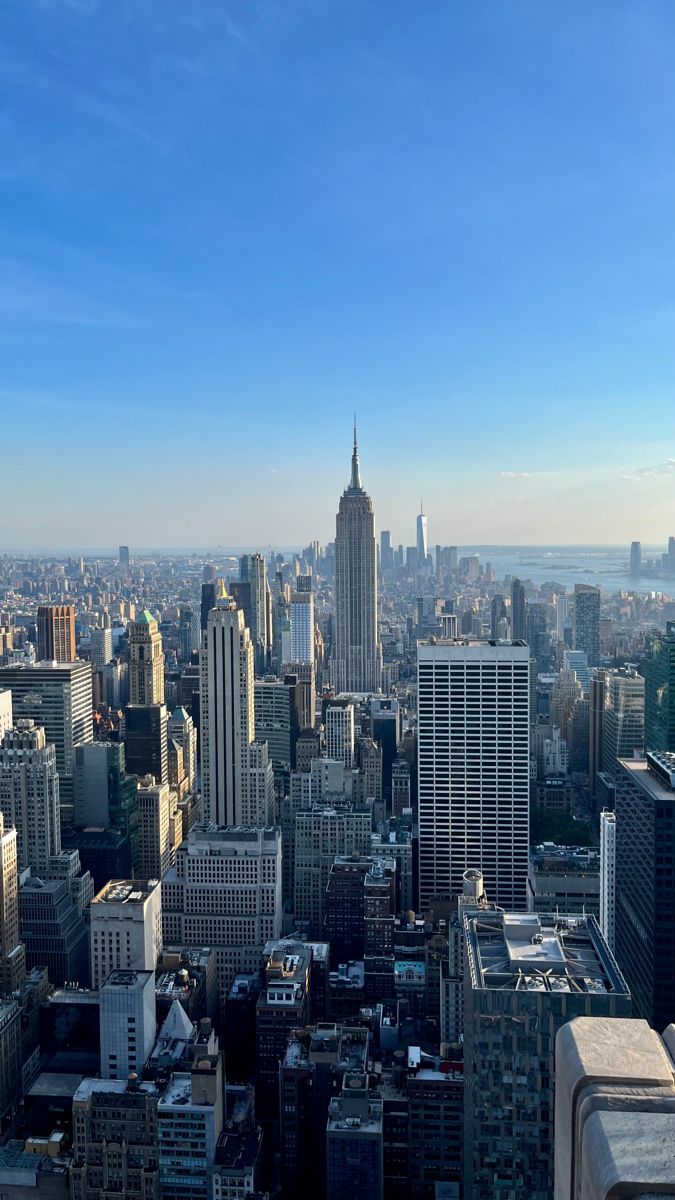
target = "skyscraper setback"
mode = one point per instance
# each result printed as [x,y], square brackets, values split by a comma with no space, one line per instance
[233,772]
[357,655]
[146,668]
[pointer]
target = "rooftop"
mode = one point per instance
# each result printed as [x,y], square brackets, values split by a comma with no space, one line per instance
[237,1152]
[126,891]
[134,981]
[90,1087]
[539,952]
[348,975]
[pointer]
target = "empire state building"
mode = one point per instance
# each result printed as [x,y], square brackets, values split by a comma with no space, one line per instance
[357,654]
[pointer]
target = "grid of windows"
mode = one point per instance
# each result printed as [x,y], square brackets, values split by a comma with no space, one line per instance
[473,767]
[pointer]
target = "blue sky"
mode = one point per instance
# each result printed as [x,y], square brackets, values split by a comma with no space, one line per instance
[226,224]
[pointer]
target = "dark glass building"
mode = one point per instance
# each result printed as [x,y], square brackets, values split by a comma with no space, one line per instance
[518,630]
[659,673]
[145,740]
[645,884]
[587,622]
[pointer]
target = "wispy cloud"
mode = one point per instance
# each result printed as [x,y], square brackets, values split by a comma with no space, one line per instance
[526,474]
[20,74]
[658,471]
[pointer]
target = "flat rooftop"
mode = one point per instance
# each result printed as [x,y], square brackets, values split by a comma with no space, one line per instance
[540,952]
[133,981]
[90,1086]
[126,891]
[655,774]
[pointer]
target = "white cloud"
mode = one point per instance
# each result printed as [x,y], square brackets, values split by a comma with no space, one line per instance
[526,474]
[660,470]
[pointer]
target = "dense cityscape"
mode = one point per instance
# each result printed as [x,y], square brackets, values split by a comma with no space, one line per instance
[337,600]
[307,858]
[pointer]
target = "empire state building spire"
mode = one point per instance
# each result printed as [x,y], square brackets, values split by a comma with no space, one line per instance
[355,484]
[357,656]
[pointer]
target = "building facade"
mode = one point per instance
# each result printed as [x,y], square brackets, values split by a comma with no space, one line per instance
[146,661]
[645,897]
[526,976]
[57,696]
[357,655]
[56,633]
[29,794]
[473,767]
[125,928]
[225,892]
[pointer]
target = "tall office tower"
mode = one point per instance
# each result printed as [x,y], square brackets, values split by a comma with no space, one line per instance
[354,1142]
[386,551]
[623,730]
[154,827]
[105,794]
[598,689]
[671,555]
[146,661]
[11,1017]
[146,741]
[56,633]
[385,729]
[645,898]
[302,622]
[101,647]
[306,677]
[253,570]
[422,548]
[321,834]
[659,669]
[12,952]
[188,633]
[528,972]
[498,615]
[538,637]
[124,561]
[125,928]
[369,762]
[587,621]
[518,630]
[614,1110]
[209,596]
[182,731]
[577,661]
[635,558]
[6,717]
[29,794]
[53,930]
[357,654]
[277,721]
[340,733]
[127,1021]
[225,892]
[473,768]
[115,1139]
[563,618]
[608,876]
[57,696]
[228,721]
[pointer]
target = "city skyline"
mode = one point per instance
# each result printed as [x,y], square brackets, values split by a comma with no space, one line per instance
[243,221]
